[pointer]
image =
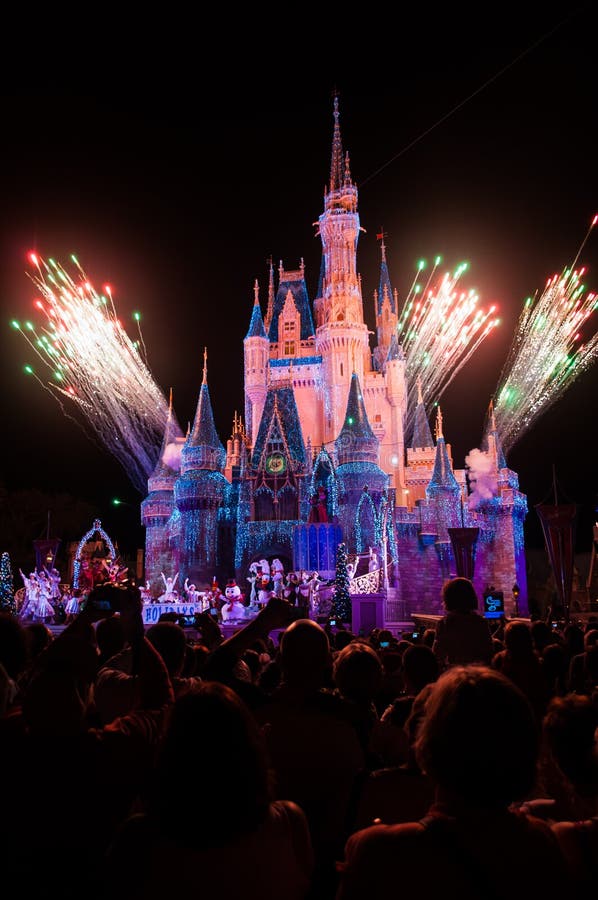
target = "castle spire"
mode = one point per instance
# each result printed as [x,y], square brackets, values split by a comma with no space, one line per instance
[271,294]
[336,163]
[443,478]
[168,459]
[356,441]
[203,448]
[438,427]
[422,436]
[384,287]
[492,441]
[256,323]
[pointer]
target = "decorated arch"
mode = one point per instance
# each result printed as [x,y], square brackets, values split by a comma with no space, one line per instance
[79,557]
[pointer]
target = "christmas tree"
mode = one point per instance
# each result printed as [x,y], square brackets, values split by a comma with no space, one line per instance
[342,597]
[7,589]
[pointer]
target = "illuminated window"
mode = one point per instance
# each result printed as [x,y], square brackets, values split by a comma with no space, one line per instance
[289,328]
[289,348]
[341,370]
[377,418]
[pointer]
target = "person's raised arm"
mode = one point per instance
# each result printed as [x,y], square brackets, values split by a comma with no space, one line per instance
[277,613]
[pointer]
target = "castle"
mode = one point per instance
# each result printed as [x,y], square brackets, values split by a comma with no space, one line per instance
[324,410]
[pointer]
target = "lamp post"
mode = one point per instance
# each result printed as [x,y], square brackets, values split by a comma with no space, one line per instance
[515,590]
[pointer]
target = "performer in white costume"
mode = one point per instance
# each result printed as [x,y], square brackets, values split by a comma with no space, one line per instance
[170,595]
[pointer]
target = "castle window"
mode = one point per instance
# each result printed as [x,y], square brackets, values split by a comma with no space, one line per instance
[289,328]
[377,418]
[289,348]
[341,370]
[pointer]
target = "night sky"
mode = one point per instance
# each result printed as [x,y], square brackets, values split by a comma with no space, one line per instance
[174,167]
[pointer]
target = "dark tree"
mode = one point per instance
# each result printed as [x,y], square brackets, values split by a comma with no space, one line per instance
[342,597]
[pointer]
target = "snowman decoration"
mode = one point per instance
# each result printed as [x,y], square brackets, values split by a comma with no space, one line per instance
[233,607]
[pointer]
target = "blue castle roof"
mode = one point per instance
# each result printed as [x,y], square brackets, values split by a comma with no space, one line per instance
[298,289]
[256,324]
[280,404]
[356,441]
[385,284]
[203,448]
[443,478]
[422,436]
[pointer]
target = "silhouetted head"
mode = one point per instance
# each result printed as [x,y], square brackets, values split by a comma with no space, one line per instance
[357,672]
[13,645]
[569,731]
[518,639]
[213,725]
[458,595]
[420,667]
[169,640]
[305,655]
[478,738]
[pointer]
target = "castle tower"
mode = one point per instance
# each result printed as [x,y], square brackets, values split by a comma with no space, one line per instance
[199,493]
[363,481]
[385,303]
[341,334]
[272,483]
[420,455]
[443,490]
[234,449]
[256,350]
[501,555]
[158,506]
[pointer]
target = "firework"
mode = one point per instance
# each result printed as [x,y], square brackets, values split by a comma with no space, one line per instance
[95,369]
[439,328]
[547,354]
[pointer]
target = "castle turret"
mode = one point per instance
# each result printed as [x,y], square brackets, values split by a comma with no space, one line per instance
[385,301]
[158,506]
[256,348]
[363,481]
[443,491]
[200,491]
[421,454]
[341,334]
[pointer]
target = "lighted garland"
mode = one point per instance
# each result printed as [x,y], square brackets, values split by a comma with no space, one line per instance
[324,459]
[96,527]
[365,498]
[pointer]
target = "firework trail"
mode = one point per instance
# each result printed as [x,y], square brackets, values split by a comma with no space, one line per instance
[547,354]
[440,327]
[96,367]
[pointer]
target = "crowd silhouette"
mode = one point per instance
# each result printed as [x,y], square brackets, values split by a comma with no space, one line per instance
[295,760]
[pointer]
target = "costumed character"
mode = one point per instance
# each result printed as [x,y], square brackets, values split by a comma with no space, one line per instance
[264,588]
[54,576]
[70,602]
[290,588]
[313,596]
[319,508]
[352,567]
[145,592]
[303,591]
[277,573]
[215,600]
[374,563]
[86,576]
[252,579]
[170,595]
[193,595]
[37,605]
[233,607]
